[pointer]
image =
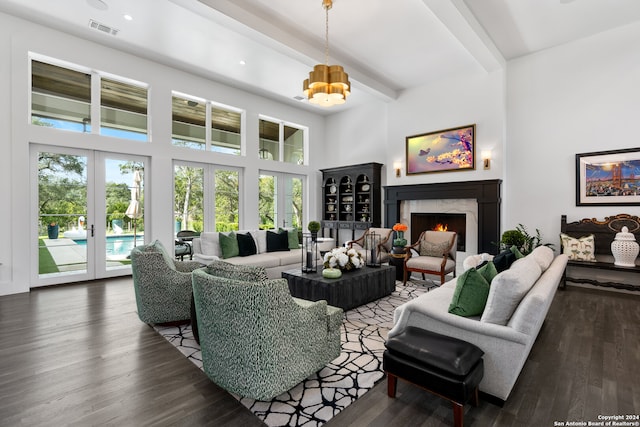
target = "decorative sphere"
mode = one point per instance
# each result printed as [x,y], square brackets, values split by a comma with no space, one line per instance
[331,273]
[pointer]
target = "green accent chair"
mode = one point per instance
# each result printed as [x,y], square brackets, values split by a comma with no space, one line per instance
[257,340]
[162,285]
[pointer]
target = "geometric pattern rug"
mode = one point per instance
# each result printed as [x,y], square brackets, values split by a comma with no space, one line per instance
[324,394]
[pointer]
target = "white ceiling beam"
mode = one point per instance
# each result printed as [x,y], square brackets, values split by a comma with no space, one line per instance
[458,19]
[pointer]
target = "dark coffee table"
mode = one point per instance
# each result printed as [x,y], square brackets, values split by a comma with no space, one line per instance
[353,289]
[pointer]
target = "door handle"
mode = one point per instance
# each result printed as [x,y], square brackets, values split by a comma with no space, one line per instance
[92,230]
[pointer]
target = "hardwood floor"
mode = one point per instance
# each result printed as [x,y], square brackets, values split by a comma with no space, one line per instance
[79,355]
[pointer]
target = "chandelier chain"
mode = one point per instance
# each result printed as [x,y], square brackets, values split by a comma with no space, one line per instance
[326,35]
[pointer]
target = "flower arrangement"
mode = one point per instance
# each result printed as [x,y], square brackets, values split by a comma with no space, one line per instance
[343,258]
[399,228]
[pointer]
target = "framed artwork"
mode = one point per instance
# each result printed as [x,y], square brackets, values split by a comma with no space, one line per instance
[442,151]
[608,178]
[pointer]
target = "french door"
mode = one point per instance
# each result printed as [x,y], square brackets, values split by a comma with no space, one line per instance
[88,213]
[281,200]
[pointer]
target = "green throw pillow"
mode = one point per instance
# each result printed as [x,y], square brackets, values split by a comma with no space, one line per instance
[229,245]
[470,296]
[488,271]
[292,235]
[516,252]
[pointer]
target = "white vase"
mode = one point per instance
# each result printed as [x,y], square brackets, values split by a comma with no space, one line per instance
[625,249]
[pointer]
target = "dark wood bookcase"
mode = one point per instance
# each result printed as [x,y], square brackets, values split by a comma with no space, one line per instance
[351,198]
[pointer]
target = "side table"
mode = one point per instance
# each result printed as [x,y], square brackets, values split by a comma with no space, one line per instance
[397,260]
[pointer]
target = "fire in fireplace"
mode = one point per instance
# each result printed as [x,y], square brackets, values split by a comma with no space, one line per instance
[440,222]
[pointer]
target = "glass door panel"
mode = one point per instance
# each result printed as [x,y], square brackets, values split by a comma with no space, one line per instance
[267,203]
[124,213]
[62,214]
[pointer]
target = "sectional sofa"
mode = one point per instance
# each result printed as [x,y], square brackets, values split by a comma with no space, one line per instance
[517,303]
[274,257]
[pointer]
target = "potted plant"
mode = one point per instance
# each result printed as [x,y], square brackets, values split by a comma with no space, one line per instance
[53,230]
[521,239]
[313,227]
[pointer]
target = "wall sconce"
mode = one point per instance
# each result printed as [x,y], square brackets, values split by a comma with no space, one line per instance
[486,159]
[398,167]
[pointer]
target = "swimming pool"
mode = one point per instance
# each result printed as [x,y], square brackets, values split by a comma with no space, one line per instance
[117,246]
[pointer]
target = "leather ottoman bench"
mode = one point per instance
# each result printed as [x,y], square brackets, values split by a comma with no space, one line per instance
[445,366]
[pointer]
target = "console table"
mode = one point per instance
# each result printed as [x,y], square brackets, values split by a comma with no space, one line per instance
[604,232]
[352,289]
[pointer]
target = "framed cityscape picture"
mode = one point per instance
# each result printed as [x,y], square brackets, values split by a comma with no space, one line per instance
[442,151]
[608,178]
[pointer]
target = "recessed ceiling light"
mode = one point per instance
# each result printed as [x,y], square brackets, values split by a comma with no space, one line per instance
[242,62]
[98,4]
[128,17]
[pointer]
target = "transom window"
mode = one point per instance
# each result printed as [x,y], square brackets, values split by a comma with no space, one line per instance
[281,141]
[190,116]
[61,98]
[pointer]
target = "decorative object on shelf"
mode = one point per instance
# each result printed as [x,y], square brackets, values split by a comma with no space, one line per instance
[347,208]
[400,241]
[327,85]
[366,187]
[313,227]
[309,254]
[330,208]
[333,189]
[625,249]
[445,150]
[606,178]
[331,273]
[371,242]
[343,258]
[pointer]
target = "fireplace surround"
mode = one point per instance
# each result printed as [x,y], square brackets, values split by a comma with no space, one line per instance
[486,193]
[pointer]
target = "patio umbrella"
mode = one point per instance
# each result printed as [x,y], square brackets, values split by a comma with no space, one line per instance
[134,210]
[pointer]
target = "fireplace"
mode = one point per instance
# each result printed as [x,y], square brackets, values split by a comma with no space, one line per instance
[440,221]
[485,193]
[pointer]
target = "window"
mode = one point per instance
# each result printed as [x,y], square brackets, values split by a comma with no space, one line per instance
[123,109]
[206,197]
[189,125]
[277,137]
[61,98]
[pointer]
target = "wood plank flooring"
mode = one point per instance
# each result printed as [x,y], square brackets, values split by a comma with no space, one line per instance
[79,355]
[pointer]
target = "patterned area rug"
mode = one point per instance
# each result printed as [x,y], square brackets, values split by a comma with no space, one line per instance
[321,396]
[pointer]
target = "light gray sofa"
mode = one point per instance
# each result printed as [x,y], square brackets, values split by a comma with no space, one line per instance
[206,248]
[519,299]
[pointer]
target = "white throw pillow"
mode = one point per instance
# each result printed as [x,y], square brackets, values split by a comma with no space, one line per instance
[507,290]
[543,256]
[261,240]
[210,244]
[582,249]
[476,260]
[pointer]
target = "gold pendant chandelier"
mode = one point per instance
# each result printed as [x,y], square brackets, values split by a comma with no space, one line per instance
[327,85]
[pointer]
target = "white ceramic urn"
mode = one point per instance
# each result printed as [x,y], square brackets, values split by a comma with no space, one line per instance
[625,248]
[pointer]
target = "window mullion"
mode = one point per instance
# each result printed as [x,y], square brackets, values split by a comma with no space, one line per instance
[95,102]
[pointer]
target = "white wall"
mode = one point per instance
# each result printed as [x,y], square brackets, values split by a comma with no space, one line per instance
[577,98]
[18,254]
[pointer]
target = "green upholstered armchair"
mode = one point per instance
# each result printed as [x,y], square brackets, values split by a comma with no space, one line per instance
[257,340]
[162,285]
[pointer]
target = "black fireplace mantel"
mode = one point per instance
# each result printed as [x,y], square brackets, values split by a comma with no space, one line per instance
[486,193]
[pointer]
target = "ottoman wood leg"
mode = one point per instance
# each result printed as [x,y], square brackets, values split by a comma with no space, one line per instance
[458,414]
[392,382]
